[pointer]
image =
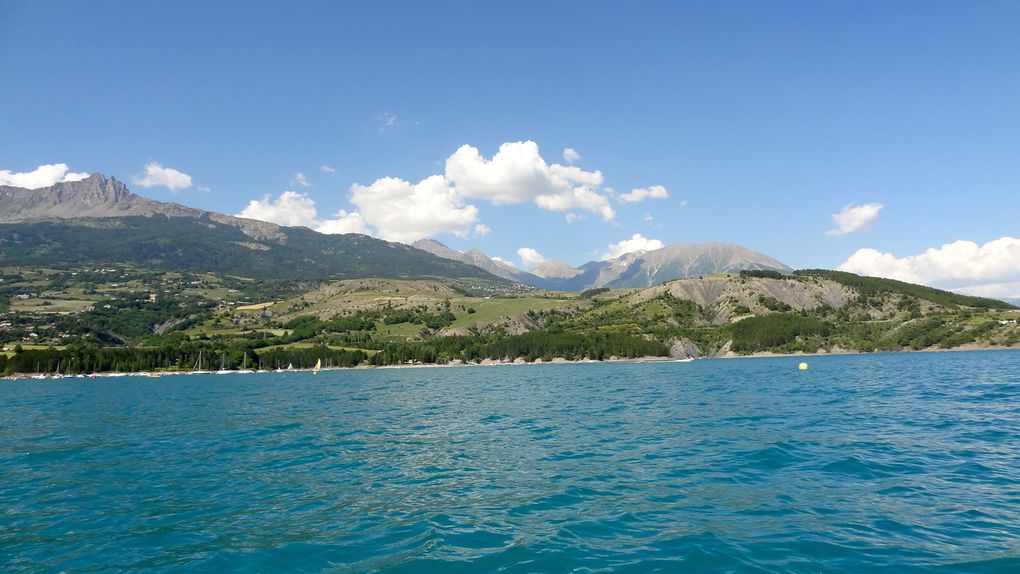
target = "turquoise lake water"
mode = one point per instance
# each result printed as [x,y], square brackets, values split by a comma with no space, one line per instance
[887,463]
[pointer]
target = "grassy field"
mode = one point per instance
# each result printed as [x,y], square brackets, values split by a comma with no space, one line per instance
[310,345]
[255,307]
[207,328]
[50,305]
[76,295]
[8,349]
[399,331]
[490,310]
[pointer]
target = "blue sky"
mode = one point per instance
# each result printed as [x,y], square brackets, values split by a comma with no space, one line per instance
[760,121]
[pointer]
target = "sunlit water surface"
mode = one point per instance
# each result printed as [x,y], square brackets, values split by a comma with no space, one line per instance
[887,463]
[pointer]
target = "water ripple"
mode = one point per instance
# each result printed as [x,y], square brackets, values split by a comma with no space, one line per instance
[888,463]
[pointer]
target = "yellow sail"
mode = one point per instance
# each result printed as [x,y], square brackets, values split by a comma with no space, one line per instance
[318,365]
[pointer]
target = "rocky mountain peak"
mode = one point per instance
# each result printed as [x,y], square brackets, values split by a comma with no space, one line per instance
[94,196]
[99,196]
[635,269]
[439,249]
[94,189]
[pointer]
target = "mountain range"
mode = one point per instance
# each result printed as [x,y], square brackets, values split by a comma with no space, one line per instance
[187,282]
[98,220]
[636,269]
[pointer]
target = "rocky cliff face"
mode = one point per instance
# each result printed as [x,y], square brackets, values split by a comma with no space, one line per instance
[733,297]
[94,196]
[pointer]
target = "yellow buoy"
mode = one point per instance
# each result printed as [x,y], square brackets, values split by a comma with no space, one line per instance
[802,366]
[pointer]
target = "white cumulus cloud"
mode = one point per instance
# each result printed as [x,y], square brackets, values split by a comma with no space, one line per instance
[326,169]
[392,209]
[518,173]
[405,212]
[578,198]
[302,180]
[642,193]
[855,218]
[1007,290]
[158,176]
[398,210]
[637,242]
[42,176]
[530,257]
[344,223]
[957,261]
[295,209]
[571,155]
[290,209]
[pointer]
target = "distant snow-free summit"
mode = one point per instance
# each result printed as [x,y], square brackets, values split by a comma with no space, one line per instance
[637,269]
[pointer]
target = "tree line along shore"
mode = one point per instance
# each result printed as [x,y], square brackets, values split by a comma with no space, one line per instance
[144,321]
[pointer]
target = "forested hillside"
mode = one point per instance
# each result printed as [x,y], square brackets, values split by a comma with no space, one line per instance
[131,319]
[207,246]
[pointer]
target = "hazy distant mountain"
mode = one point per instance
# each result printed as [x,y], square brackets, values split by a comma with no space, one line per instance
[676,261]
[98,221]
[556,270]
[472,257]
[479,259]
[638,269]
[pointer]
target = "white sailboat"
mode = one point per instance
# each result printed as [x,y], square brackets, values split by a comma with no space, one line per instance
[244,365]
[317,367]
[197,370]
[223,366]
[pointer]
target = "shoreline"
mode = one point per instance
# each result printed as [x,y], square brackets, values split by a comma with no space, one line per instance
[840,352]
[501,363]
